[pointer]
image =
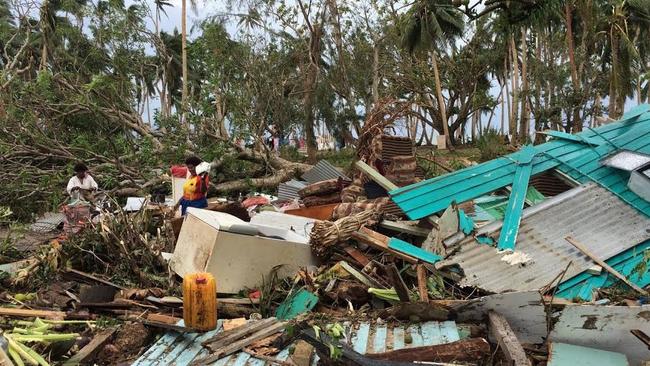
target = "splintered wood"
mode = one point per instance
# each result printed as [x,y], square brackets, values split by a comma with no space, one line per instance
[507,340]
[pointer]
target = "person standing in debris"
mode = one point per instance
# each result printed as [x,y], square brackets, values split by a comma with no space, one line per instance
[195,189]
[82,183]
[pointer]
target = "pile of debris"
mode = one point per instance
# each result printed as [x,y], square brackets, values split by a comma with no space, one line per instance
[536,258]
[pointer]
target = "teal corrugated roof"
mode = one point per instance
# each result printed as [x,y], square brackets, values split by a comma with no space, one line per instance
[579,160]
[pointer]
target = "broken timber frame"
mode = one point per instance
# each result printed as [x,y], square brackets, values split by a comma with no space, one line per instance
[507,340]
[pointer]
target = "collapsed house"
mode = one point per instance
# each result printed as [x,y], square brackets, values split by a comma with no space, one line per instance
[597,184]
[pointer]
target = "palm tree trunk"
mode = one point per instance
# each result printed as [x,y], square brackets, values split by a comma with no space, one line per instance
[441,100]
[524,125]
[569,40]
[515,86]
[568,13]
[614,82]
[184,60]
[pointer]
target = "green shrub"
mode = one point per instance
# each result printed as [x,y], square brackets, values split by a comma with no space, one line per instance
[491,145]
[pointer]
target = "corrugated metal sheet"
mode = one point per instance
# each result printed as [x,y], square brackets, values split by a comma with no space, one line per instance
[579,161]
[48,222]
[179,350]
[549,184]
[323,170]
[288,191]
[589,213]
[392,146]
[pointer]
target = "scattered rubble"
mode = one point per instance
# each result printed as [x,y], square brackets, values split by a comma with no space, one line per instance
[536,258]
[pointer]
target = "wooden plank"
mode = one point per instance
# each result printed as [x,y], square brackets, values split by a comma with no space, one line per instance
[376,176]
[237,333]
[422,282]
[605,266]
[28,313]
[162,318]
[404,227]
[468,350]
[95,278]
[363,237]
[507,340]
[232,347]
[357,255]
[398,283]
[88,351]
[366,280]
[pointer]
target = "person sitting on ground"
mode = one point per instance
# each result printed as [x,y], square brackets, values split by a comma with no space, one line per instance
[195,189]
[82,183]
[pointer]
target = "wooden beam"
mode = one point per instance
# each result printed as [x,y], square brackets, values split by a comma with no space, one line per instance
[237,333]
[405,228]
[422,282]
[95,278]
[605,266]
[507,340]
[398,283]
[365,236]
[28,313]
[466,350]
[357,255]
[232,347]
[376,176]
[85,354]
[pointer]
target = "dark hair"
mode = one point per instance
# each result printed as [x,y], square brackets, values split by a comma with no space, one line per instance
[80,167]
[193,160]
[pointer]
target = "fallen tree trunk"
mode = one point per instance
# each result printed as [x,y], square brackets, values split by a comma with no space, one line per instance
[466,350]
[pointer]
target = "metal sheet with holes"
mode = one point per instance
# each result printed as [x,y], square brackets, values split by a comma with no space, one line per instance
[589,213]
[179,350]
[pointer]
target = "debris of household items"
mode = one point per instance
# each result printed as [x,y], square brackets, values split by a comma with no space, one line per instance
[238,254]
